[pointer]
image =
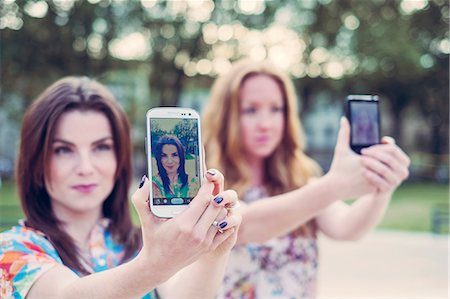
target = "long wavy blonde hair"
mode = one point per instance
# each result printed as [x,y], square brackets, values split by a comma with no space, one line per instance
[287,167]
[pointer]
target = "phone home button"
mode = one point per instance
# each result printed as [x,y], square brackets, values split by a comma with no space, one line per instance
[176,201]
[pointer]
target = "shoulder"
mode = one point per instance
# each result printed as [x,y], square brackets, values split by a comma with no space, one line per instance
[26,240]
[156,180]
[25,254]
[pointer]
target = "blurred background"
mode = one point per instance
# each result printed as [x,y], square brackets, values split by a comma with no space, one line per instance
[168,53]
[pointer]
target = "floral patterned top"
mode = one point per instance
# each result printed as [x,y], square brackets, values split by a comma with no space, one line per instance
[284,267]
[26,254]
[188,190]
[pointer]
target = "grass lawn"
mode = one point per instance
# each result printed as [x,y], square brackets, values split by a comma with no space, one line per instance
[412,205]
[410,209]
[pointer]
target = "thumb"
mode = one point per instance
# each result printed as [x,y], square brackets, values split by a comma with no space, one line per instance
[216,177]
[140,201]
[388,140]
[343,140]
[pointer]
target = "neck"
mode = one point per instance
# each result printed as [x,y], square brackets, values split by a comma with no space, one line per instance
[172,177]
[257,169]
[78,225]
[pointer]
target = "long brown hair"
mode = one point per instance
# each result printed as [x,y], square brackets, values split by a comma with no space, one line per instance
[38,129]
[288,167]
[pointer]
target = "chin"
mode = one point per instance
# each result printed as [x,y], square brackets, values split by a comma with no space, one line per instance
[263,154]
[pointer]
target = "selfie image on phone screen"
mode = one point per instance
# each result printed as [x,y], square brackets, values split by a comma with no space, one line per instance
[175,160]
[364,123]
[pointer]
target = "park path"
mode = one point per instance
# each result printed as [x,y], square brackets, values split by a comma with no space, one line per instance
[385,264]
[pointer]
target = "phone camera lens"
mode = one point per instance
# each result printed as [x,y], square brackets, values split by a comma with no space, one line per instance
[189,114]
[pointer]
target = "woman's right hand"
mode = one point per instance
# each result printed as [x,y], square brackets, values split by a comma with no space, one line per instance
[171,244]
[347,173]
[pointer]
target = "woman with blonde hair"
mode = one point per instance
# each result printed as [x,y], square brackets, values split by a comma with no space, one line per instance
[252,133]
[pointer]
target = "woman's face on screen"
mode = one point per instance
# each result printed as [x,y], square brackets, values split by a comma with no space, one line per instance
[170,159]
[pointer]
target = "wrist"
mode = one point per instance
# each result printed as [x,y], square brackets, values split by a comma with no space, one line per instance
[150,268]
[335,186]
[382,197]
[216,257]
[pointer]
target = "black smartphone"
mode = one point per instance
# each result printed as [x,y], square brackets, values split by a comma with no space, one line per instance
[364,116]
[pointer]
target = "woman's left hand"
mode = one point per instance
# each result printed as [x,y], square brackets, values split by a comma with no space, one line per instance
[388,163]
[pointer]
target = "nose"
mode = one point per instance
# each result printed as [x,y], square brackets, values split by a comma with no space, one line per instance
[264,120]
[85,164]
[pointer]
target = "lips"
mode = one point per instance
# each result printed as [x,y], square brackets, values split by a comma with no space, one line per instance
[262,139]
[85,188]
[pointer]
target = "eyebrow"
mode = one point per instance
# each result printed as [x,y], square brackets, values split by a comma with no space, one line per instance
[72,144]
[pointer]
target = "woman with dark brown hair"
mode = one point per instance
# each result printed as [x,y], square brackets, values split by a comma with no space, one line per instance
[78,240]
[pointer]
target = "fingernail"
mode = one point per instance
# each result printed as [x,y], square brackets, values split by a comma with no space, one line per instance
[223,224]
[218,199]
[211,172]
[142,181]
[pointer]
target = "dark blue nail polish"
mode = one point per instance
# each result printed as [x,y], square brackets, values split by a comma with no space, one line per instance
[223,224]
[142,181]
[218,199]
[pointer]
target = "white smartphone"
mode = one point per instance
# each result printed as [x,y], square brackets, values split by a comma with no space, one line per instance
[174,159]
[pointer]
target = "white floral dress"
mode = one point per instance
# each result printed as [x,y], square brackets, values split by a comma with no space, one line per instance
[284,267]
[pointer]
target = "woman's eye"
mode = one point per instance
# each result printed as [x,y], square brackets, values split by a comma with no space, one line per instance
[61,150]
[175,155]
[249,110]
[278,109]
[103,147]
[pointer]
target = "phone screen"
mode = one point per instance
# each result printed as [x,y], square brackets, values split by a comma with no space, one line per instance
[175,160]
[364,119]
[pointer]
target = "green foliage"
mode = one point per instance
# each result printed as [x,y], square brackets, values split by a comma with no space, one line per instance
[188,132]
[185,130]
[388,49]
[412,206]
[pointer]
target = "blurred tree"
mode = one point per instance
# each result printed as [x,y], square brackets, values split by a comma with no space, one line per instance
[157,132]
[400,52]
[186,131]
[54,40]
[398,49]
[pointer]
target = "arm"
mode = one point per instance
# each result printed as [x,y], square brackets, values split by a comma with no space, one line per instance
[131,280]
[201,279]
[285,212]
[390,168]
[275,216]
[204,277]
[341,221]
[168,247]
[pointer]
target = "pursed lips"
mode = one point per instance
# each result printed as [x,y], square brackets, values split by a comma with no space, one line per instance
[262,139]
[84,188]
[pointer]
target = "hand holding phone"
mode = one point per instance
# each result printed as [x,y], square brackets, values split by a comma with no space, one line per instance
[364,117]
[174,159]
